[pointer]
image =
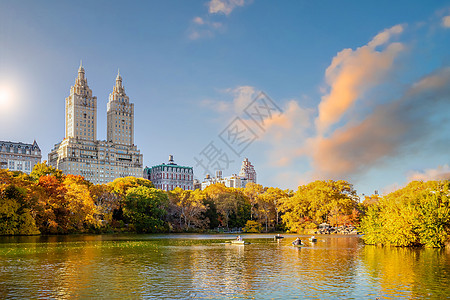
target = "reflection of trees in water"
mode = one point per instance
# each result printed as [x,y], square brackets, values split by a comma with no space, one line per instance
[334,267]
[409,272]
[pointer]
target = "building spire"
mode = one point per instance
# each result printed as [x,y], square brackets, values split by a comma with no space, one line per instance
[81,70]
[119,81]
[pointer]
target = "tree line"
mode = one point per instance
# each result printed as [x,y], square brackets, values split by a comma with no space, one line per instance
[49,202]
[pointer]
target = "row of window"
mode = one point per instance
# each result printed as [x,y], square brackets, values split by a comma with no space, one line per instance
[171,169]
[18,150]
[177,176]
[170,187]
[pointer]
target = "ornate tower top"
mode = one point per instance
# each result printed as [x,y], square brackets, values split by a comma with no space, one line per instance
[119,89]
[120,115]
[81,109]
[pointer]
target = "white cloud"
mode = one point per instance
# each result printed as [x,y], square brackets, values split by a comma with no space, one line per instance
[224,6]
[204,28]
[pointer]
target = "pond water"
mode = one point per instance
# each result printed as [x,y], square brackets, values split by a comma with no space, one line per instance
[206,267]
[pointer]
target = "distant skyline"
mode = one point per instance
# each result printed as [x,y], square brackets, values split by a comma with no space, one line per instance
[363,88]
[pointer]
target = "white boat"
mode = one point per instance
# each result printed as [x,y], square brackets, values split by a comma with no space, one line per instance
[238,242]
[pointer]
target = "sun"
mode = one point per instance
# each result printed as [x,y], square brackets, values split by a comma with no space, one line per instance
[5,97]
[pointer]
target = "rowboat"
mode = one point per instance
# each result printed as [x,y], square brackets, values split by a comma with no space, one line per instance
[312,239]
[237,242]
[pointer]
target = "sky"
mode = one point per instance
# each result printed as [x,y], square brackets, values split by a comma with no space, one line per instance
[306,90]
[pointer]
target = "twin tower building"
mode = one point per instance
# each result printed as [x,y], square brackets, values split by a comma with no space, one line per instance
[80,153]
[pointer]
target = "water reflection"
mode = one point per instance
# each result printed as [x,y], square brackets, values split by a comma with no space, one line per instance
[408,272]
[204,266]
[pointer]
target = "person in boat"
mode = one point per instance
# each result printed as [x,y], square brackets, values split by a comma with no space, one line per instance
[239,238]
[297,242]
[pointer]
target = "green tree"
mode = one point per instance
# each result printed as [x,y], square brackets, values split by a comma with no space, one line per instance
[15,215]
[145,208]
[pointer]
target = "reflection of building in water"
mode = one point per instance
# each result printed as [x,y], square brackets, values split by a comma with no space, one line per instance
[19,156]
[247,174]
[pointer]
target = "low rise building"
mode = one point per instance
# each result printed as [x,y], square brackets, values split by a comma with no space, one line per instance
[17,156]
[170,176]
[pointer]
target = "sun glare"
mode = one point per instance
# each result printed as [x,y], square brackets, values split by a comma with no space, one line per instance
[4,96]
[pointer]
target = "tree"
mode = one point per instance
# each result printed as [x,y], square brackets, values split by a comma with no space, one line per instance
[145,208]
[121,185]
[15,215]
[318,202]
[188,206]
[80,206]
[252,227]
[232,205]
[418,214]
[53,213]
[269,203]
[42,169]
[252,191]
[105,200]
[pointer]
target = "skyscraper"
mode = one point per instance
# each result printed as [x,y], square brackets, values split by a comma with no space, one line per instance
[80,153]
[120,115]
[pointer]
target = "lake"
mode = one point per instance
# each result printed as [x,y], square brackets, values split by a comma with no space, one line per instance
[194,266]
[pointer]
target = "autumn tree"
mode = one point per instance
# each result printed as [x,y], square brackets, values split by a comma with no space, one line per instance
[188,206]
[232,205]
[121,185]
[105,201]
[252,191]
[318,202]
[269,205]
[80,206]
[42,169]
[418,214]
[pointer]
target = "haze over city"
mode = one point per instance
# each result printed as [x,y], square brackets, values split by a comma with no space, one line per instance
[363,88]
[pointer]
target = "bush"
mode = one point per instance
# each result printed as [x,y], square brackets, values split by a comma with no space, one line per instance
[252,227]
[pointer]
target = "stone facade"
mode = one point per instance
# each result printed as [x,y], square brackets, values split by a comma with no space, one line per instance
[169,176]
[19,156]
[80,153]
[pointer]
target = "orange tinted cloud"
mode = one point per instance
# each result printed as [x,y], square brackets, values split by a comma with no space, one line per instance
[353,72]
[390,128]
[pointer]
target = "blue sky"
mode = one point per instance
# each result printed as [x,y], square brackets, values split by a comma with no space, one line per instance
[363,85]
